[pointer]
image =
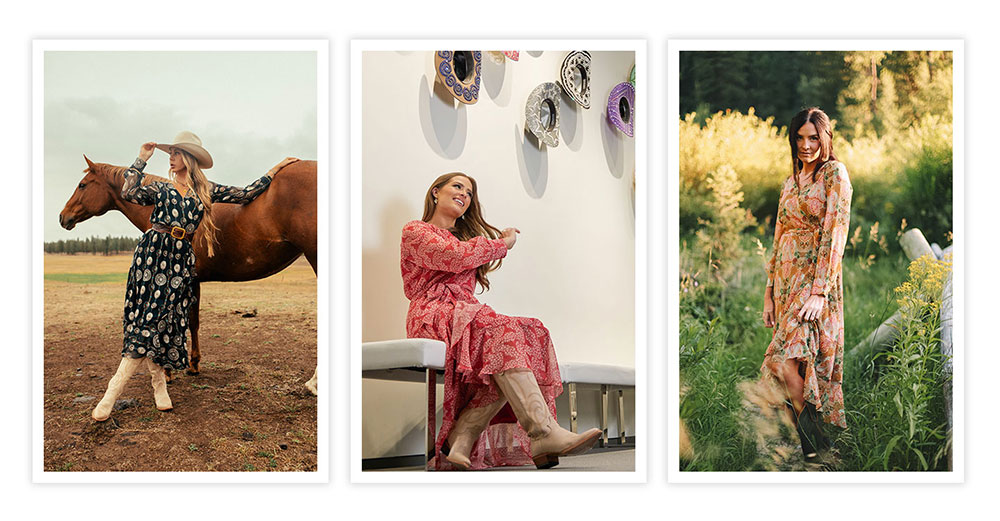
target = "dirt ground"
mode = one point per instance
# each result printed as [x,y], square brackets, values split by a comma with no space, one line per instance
[248,409]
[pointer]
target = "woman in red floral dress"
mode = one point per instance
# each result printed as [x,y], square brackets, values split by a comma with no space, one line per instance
[501,375]
[803,300]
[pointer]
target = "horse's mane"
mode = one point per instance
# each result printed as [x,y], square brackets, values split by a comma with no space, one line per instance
[116,174]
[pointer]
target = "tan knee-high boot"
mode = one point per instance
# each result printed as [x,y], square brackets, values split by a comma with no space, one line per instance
[125,370]
[548,439]
[159,378]
[464,434]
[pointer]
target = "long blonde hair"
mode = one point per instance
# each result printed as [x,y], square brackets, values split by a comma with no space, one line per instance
[203,191]
[470,224]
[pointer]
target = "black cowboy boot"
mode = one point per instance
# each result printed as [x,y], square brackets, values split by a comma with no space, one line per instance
[808,425]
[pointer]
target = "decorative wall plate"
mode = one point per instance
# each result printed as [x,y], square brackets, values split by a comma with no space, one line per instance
[461,72]
[541,113]
[496,57]
[575,77]
[513,55]
[621,107]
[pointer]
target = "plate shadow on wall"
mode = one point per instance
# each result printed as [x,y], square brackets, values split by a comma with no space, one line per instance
[570,123]
[443,120]
[495,81]
[614,147]
[532,162]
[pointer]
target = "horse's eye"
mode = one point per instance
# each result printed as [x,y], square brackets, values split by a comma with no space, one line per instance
[80,186]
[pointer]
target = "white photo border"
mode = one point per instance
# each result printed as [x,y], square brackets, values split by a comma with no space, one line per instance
[674,474]
[322,49]
[358,47]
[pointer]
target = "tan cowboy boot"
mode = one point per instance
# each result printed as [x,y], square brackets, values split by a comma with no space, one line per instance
[464,434]
[159,378]
[125,369]
[548,439]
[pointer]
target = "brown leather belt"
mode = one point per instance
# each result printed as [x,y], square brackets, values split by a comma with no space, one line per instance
[174,231]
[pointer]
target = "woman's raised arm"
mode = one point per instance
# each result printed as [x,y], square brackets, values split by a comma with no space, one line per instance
[426,248]
[133,190]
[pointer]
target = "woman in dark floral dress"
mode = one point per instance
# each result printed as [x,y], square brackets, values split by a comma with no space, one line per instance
[159,292]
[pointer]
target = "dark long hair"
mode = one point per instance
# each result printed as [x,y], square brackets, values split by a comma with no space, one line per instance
[824,128]
[470,225]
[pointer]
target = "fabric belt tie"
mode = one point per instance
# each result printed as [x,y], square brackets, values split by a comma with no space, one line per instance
[174,231]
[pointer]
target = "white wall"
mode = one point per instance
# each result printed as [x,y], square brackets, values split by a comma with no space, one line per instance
[573,265]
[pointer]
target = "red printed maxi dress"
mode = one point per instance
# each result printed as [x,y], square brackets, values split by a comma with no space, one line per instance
[439,279]
[809,238]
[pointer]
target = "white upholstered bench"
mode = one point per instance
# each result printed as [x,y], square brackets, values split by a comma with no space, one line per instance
[421,359]
[606,377]
[408,360]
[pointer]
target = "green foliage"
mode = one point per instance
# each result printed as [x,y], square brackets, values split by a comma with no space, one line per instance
[710,401]
[898,419]
[87,278]
[888,91]
[777,84]
[719,237]
[723,345]
[94,245]
[906,175]
[752,147]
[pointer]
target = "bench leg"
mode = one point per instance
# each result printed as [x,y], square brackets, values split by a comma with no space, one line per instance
[572,407]
[621,416]
[431,427]
[604,416]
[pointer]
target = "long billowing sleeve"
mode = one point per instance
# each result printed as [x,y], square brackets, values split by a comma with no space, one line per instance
[133,190]
[234,194]
[836,222]
[779,228]
[427,249]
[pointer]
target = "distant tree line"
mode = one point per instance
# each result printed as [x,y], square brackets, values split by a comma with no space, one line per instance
[864,91]
[93,245]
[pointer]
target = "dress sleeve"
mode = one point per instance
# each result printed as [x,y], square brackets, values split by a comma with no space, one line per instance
[836,222]
[235,194]
[133,190]
[430,250]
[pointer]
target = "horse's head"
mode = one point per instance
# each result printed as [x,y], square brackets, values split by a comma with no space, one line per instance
[94,195]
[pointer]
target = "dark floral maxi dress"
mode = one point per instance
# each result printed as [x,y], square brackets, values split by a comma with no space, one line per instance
[159,293]
[809,239]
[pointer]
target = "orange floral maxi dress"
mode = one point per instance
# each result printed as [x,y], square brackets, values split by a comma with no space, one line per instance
[439,279]
[809,238]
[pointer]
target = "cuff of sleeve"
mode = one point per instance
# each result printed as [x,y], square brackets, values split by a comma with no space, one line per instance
[819,289]
[139,164]
[502,248]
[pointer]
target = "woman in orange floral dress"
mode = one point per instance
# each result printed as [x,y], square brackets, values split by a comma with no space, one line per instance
[803,300]
[501,376]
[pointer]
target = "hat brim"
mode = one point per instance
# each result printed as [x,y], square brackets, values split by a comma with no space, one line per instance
[200,154]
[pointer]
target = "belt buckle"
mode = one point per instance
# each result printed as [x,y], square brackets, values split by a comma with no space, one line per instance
[177,232]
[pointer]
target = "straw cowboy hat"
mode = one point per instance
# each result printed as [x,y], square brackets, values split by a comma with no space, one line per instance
[191,144]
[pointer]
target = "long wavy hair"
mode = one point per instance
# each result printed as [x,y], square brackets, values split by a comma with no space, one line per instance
[824,128]
[203,191]
[470,224]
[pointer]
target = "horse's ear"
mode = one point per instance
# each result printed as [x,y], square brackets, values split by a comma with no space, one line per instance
[90,164]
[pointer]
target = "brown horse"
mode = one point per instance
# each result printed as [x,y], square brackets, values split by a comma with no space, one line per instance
[255,240]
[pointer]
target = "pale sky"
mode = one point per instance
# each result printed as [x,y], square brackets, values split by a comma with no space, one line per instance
[250,109]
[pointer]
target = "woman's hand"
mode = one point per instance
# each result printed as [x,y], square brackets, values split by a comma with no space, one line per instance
[509,236]
[284,162]
[146,150]
[768,314]
[812,308]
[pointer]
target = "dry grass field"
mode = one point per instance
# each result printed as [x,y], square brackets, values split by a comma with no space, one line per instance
[246,411]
